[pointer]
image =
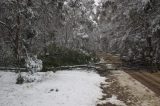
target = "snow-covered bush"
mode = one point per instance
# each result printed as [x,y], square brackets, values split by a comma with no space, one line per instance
[37,77]
[33,64]
[20,79]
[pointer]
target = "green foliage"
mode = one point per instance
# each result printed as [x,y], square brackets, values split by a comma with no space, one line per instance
[60,56]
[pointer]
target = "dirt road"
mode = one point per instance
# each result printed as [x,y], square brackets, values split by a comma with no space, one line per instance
[150,80]
[131,87]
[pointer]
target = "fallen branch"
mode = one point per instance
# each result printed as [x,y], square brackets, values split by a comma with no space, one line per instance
[12,69]
[70,67]
[96,66]
[101,67]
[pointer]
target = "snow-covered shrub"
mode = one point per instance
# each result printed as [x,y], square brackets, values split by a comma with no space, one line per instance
[33,64]
[29,78]
[20,79]
[36,77]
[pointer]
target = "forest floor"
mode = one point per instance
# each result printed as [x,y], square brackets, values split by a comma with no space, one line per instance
[129,87]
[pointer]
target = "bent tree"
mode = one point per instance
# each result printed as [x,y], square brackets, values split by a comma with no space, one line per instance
[17,25]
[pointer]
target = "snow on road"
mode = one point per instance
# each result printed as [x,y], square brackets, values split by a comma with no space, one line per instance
[63,88]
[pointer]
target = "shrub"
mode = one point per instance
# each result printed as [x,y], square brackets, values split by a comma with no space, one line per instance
[61,56]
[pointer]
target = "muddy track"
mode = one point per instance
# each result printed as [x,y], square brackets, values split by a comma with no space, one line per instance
[150,80]
[114,88]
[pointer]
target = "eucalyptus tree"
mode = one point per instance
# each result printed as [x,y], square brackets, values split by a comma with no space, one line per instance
[16,23]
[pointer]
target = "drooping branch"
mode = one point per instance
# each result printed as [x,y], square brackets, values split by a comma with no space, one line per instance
[2,23]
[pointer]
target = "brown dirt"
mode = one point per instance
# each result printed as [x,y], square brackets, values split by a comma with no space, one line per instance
[115,88]
[150,80]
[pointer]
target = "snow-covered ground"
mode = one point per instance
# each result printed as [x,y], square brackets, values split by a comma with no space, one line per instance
[63,88]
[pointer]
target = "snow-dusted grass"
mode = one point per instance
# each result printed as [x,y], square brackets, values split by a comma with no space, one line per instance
[63,88]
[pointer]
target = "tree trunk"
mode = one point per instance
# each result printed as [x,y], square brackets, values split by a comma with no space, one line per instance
[17,39]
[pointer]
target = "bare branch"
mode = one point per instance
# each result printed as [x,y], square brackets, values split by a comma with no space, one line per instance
[4,24]
[10,32]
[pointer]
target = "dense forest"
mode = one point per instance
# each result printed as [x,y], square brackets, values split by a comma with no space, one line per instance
[59,31]
[79,52]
